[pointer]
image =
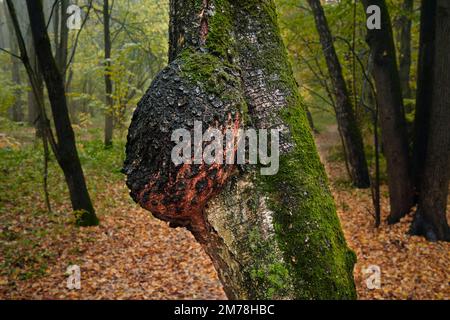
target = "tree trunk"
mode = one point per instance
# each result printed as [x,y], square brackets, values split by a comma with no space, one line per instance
[347,124]
[430,219]
[16,112]
[392,118]
[66,155]
[109,115]
[404,23]
[61,49]
[268,236]
[16,109]
[424,90]
[33,105]
[56,24]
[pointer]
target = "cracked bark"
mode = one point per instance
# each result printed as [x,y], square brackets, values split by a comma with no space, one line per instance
[268,236]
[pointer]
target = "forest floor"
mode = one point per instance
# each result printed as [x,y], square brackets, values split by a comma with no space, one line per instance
[411,267]
[132,255]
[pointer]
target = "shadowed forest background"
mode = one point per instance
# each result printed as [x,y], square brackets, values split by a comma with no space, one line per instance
[373,124]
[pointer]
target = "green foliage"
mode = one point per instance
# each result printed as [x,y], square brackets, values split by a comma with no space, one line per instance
[7,99]
[305,51]
[7,88]
[139,50]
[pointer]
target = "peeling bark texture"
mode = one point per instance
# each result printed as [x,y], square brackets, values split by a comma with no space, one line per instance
[268,236]
[348,127]
[430,219]
[392,117]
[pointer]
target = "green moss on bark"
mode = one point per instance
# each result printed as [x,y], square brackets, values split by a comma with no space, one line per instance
[307,228]
[215,76]
[268,274]
[220,40]
[305,220]
[315,261]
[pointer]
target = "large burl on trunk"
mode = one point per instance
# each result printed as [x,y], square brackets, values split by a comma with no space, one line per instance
[268,236]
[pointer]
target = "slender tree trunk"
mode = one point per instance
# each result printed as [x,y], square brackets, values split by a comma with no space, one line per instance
[16,112]
[425,88]
[61,51]
[268,236]
[73,105]
[56,24]
[109,115]
[430,219]
[347,124]
[404,24]
[392,118]
[66,154]
[33,105]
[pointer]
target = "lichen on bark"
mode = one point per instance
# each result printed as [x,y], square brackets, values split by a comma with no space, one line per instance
[268,236]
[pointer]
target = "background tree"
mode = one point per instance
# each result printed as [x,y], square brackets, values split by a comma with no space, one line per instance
[65,148]
[425,86]
[16,112]
[348,126]
[37,94]
[404,36]
[62,39]
[392,117]
[430,219]
[109,116]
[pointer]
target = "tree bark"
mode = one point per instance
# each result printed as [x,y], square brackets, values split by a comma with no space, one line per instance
[430,219]
[351,135]
[268,236]
[404,23]
[392,118]
[425,86]
[109,115]
[66,154]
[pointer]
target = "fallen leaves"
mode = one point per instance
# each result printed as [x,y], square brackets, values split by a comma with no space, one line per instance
[132,255]
[411,267]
